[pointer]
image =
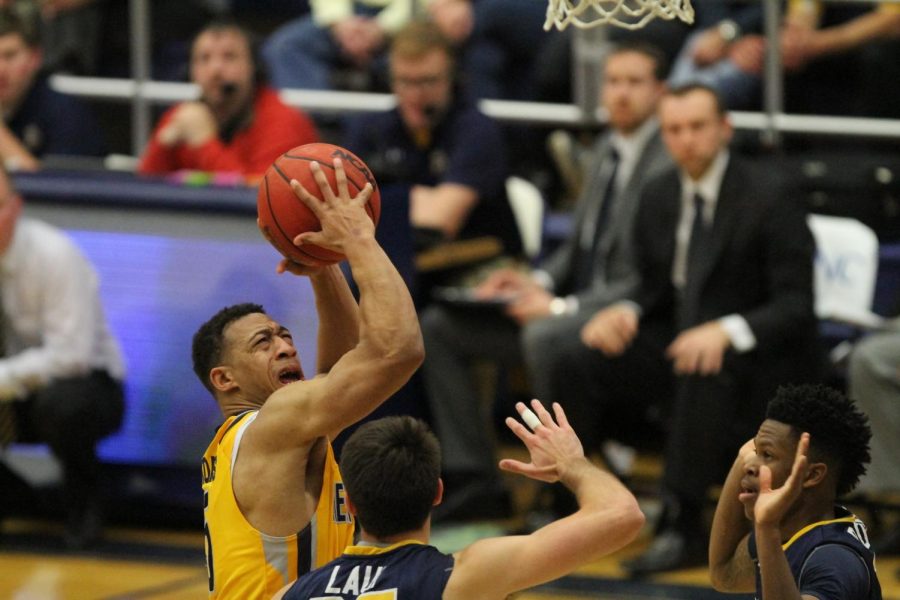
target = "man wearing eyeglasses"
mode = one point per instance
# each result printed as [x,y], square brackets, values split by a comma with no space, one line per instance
[449,158]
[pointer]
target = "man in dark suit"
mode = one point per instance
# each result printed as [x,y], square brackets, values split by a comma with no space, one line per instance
[723,314]
[593,268]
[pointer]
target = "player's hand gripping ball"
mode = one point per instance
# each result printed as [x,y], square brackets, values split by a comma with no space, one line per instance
[283,216]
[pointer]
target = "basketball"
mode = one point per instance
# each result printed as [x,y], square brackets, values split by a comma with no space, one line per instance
[283,216]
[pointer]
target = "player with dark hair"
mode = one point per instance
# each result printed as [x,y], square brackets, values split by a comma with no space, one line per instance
[392,469]
[812,448]
[238,124]
[274,503]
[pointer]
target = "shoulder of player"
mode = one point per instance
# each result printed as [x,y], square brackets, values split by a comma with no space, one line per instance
[288,419]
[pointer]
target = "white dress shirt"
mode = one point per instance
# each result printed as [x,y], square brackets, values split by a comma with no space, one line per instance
[53,320]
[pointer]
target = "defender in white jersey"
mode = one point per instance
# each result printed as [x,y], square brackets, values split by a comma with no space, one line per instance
[391,469]
[284,501]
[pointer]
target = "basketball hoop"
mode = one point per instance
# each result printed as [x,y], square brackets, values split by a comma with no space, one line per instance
[628,14]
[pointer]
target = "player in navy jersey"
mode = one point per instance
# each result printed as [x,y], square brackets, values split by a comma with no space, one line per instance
[777,529]
[391,469]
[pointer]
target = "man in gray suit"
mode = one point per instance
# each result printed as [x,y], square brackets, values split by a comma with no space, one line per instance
[546,307]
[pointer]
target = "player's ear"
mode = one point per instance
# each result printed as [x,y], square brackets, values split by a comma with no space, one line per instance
[439,496]
[221,379]
[815,474]
[348,502]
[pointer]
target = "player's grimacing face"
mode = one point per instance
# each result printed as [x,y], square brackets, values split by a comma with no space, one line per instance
[261,355]
[776,446]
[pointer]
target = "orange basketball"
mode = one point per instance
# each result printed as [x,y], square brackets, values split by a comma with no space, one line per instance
[283,216]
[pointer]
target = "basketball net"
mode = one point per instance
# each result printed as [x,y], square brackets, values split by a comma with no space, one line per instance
[628,14]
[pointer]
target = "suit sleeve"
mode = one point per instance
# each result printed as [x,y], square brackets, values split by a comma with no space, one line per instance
[788,254]
[653,233]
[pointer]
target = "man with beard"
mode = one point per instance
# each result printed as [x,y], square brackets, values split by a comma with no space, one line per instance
[238,125]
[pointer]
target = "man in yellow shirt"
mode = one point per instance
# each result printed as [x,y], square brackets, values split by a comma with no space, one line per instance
[273,498]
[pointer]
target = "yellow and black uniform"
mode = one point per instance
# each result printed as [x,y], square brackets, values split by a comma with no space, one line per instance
[244,563]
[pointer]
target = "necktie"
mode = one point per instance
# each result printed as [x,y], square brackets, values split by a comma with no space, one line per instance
[698,251]
[7,409]
[697,246]
[594,231]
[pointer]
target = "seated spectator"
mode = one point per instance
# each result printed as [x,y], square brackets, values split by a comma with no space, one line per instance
[71,34]
[435,149]
[812,32]
[238,125]
[61,369]
[874,382]
[306,53]
[706,54]
[37,121]
[723,314]
[500,43]
[591,269]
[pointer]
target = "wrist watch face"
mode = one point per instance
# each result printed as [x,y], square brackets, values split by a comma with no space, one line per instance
[558,306]
[728,30]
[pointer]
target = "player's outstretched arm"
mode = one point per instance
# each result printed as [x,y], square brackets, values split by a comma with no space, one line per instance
[730,567]
[389,346]
[607,519]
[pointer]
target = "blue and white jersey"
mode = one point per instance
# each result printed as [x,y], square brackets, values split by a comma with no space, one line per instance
[408,570]
[830,560]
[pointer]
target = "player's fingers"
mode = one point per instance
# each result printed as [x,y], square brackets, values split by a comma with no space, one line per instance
[364,194]
[322,181]
[530,419]
[547,474]
[561,418]
[311,202]
[542,413]
[340,178]
[519,430]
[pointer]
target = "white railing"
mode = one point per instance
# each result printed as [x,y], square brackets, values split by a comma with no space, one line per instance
[141,92]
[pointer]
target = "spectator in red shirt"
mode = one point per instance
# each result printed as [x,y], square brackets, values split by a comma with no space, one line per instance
[238,125]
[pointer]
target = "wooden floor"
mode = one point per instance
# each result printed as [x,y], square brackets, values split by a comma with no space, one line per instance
[163,565]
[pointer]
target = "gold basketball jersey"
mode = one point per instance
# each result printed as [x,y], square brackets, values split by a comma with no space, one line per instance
[244,563]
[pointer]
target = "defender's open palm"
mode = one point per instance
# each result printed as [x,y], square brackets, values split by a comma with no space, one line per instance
[771,505]
[343,219]
[553,446]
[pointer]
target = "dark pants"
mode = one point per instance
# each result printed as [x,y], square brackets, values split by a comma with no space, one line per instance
[70,415]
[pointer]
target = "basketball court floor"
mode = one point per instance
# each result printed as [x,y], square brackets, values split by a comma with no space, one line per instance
[169,565]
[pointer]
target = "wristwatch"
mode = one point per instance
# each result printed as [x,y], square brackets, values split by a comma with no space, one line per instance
[728,30]
[558,307]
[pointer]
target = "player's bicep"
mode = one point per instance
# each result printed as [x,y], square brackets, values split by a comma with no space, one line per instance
[303,411]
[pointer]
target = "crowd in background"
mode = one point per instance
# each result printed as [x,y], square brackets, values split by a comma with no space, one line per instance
[599,322]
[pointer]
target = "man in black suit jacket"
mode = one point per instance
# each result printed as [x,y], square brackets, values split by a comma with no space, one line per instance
[723,314]
[592,269]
